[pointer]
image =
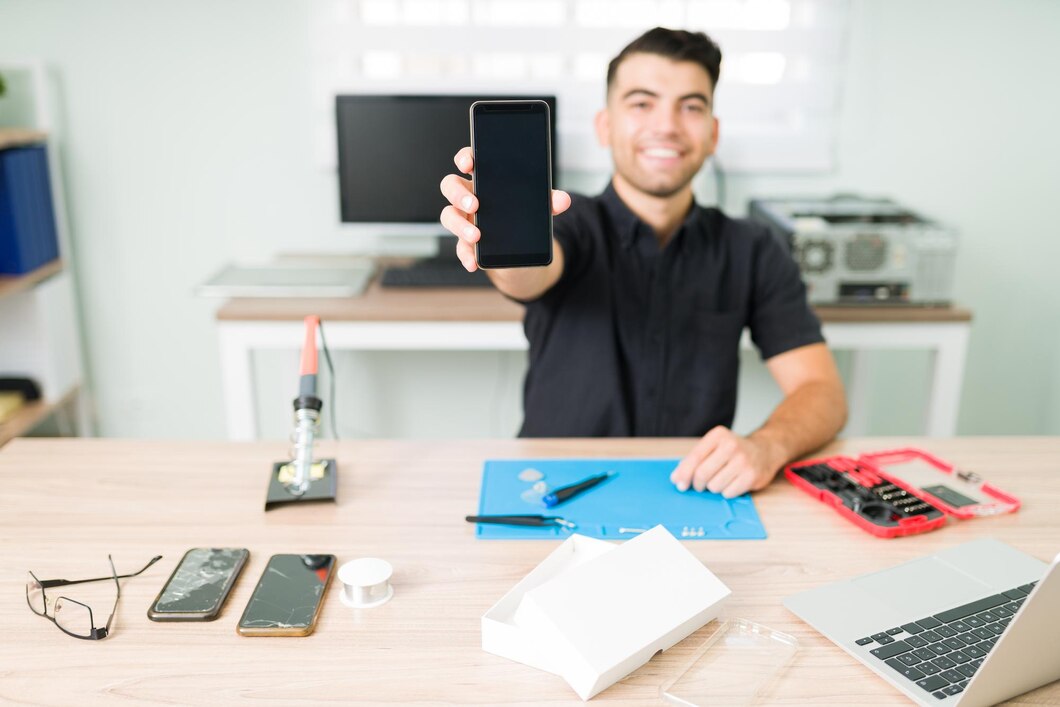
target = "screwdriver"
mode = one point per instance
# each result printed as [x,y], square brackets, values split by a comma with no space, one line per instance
[567,492]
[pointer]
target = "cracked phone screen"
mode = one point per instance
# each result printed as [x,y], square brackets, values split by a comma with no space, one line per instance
[201,581]
[288,592]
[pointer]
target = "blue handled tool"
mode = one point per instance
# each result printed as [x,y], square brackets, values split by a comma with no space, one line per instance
[567,492]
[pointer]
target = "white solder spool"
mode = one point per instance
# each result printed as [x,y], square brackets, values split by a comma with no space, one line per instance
[366,582]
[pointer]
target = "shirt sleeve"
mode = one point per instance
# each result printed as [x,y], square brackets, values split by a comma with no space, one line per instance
[781,319]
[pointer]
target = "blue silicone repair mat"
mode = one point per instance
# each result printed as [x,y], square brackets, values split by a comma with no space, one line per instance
[639,496]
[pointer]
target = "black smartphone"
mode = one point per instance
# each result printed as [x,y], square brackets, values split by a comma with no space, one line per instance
[199,585]
[288,597]
[512,147]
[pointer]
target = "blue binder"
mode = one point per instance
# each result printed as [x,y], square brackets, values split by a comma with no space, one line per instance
[639,496]
[28,236]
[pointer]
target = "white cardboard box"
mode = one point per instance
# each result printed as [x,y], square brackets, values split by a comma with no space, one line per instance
[593,612]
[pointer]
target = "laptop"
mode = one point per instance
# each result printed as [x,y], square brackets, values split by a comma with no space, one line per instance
[971,625]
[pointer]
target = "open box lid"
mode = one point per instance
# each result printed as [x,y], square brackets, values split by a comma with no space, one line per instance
[960,493]
[604,618]
[502,636]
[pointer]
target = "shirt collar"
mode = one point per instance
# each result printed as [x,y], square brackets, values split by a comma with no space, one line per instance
[628,223]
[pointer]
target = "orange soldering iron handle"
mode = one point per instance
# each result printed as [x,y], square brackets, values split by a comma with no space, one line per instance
[309,349]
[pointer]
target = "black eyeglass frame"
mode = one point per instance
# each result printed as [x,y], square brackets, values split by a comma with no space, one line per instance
[96,633]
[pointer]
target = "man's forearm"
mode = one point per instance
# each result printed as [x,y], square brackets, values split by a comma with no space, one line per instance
[805,420]
[529,283]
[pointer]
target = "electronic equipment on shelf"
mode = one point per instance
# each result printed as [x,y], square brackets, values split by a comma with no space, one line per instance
[858,251]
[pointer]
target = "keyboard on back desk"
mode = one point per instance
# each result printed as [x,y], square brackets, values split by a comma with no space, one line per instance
[941,653]
[434,273]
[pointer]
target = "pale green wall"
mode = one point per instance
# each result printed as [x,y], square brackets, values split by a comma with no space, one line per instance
[189,141]
[951,108]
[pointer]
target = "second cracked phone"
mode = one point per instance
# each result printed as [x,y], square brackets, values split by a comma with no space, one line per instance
[288,597]
[512,148]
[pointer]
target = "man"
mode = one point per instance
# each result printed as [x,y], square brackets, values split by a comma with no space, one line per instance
[634,328]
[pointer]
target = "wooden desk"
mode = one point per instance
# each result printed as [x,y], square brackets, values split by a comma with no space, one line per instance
[65,504]
[481,319]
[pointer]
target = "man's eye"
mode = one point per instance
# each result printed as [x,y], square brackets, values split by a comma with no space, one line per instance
[695,108]
[640,105]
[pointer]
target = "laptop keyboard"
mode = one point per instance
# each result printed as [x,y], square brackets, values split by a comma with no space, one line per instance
[941,653]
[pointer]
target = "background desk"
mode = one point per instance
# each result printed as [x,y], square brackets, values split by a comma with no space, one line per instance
[67,503]
[481,319]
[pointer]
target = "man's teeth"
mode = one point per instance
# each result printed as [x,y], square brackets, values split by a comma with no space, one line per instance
[660,152]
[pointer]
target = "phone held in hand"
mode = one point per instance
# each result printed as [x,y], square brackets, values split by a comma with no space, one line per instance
[288,597]
[511,145]
[199,585]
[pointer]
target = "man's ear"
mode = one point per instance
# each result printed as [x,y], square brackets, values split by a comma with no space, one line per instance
[714,146]
[602,123]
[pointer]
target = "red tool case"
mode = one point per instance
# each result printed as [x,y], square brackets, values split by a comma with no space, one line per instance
[898,492]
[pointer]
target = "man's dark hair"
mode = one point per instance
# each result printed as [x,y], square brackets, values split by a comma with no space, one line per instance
[675,44]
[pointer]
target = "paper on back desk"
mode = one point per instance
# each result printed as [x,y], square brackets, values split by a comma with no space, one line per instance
[639,496]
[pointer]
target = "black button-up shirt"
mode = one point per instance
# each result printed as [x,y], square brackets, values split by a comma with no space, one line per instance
[638,340]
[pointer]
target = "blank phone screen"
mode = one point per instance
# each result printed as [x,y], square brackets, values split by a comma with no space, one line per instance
[512,183]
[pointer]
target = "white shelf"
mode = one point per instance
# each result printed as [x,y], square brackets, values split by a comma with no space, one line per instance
[12,284]
[32,414]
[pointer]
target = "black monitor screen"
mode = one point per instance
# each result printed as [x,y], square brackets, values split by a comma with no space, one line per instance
[394,151]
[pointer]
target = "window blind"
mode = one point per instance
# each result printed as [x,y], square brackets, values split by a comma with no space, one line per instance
[777,100]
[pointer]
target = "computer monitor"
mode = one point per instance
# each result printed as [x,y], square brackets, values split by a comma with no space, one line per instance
[394,151]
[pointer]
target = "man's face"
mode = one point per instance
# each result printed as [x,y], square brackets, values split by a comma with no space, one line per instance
[658,122]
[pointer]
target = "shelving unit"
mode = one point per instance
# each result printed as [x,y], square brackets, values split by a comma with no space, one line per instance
[40,330]
[10,284]
[32,414]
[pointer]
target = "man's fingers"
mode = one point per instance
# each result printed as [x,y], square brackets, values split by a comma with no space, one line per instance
[710,466]
[727,474]
[466,253]
[682,475]
[723,451]
[560,202]
[458,192]
[737,487]
[457,223]
[464,161]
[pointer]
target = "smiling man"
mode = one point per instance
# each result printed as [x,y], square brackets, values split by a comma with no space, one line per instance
[635,327]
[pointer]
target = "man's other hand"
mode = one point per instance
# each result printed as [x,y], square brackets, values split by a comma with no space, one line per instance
[726,463]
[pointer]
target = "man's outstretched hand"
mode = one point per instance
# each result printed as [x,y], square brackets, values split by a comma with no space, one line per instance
[458,216]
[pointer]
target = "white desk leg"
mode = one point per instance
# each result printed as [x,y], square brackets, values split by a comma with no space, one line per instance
[237,381]
[947,341]
[858,394]
[84,418]
[948,374]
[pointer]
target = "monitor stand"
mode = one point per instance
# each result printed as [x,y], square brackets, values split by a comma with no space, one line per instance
[443,269]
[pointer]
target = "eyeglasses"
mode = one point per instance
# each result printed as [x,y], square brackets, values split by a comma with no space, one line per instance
[71,616]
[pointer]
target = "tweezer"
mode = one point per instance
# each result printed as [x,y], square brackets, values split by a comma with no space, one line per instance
[533,520]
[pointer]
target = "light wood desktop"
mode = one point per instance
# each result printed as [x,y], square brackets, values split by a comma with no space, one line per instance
[481,319]
[66,504]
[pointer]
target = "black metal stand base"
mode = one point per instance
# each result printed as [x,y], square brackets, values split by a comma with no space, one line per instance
[323,484]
